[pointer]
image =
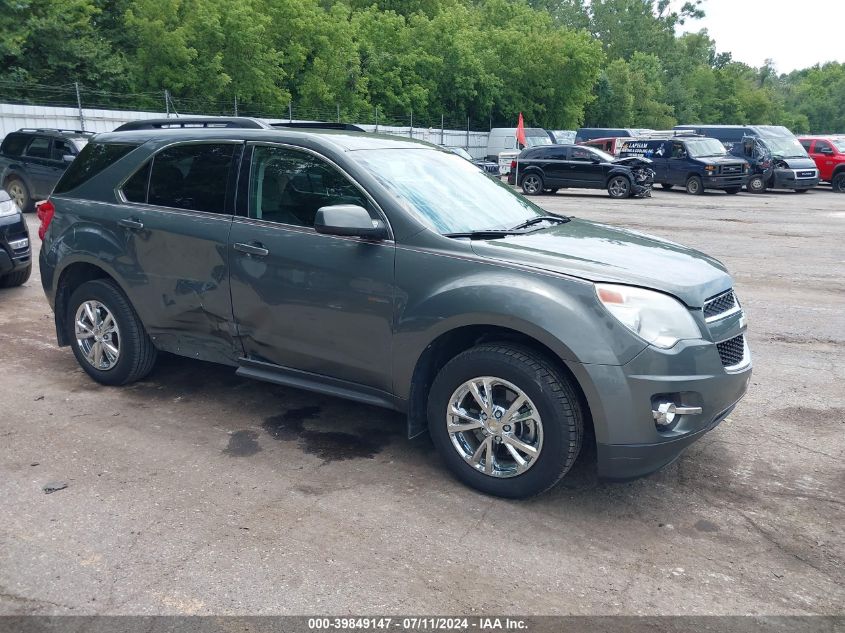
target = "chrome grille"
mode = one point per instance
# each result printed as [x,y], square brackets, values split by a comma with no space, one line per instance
[731,169]
[719,304]
[732,351]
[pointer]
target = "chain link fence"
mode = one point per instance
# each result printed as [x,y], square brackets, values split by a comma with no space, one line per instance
[75,106]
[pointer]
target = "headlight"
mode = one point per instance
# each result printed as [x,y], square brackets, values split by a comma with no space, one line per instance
[8,207]
[656,318]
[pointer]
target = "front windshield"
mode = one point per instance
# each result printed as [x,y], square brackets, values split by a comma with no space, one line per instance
[840,144]
[534,141]
[786,147]
[445,192]
[699,148]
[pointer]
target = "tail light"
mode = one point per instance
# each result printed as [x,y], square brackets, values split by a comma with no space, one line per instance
[513,164]
[44,211]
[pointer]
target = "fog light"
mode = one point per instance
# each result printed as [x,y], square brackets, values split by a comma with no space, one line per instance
[16,245]
[666,413]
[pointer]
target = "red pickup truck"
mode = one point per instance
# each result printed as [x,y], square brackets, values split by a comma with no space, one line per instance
[829,154]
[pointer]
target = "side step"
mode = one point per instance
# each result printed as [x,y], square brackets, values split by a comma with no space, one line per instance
[276,374]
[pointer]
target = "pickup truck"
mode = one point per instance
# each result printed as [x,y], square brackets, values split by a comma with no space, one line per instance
[829,154]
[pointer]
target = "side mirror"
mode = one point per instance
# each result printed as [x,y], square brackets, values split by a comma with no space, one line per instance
[68,158]
[349,220]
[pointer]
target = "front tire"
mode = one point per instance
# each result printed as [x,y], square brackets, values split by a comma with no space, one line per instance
[619,187]
[838,182]
[532,184]
[505,420]
[19,192]
[694,186]
[18,278]
[756,184]
[107,337]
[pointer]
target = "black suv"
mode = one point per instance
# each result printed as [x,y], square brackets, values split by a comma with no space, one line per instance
[553,167]
[33,160]
[391,272]
[15,251]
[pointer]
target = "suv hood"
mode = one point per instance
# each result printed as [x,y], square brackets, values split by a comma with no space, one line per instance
[633,161]
[598,252]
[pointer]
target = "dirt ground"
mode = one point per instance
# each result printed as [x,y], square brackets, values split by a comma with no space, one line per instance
[197,492]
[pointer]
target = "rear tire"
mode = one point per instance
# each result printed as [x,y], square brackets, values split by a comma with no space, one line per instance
[19,192]
[756,184]
[18,278]
[694,186]
[109,323]
[550,420]
[532,184]
[838,182]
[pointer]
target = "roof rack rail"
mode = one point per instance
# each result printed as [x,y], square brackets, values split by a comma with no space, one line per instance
[320,125]
[191,122]
[54,129]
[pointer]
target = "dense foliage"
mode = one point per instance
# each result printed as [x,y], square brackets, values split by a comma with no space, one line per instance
[562,63]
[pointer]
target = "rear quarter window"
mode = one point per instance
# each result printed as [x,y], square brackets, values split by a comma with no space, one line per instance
[93,159]
[13,144]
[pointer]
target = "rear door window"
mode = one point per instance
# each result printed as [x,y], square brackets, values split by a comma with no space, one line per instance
[39,147]
[192,176]
[135,189]
[93,159]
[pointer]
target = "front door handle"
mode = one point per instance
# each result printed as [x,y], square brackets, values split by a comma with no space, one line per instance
[252,249]
[131,223]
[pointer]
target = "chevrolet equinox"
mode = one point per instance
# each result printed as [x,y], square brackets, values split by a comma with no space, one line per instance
[394,273]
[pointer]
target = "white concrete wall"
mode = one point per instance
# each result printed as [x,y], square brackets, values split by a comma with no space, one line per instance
[14,117]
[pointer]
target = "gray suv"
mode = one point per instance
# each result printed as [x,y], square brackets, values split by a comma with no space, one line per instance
[394,273]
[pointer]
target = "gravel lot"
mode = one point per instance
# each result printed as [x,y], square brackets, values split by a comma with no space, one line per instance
[199,492]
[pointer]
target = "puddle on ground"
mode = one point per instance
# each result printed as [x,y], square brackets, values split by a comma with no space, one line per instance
[242,444]
[327,445]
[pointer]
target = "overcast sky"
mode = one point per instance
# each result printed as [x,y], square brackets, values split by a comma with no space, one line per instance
[794,34]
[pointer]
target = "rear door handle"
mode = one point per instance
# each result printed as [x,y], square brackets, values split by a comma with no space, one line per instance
[252,249]
[131,223]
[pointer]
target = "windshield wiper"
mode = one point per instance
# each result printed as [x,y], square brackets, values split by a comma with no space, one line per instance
[562,219]
[484,234]
[492,234]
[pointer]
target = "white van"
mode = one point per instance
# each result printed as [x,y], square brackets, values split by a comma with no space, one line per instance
[503,139]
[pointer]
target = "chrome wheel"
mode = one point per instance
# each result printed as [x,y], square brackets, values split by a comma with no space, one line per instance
[494,426]
[618,187]
[532,184]
[97,335]
[17,193]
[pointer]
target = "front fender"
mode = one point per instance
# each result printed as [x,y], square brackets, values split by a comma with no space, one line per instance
[561,313]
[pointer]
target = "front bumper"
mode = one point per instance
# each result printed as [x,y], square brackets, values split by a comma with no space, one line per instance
[621,398]
[15,248]
[734,181]
[796,178]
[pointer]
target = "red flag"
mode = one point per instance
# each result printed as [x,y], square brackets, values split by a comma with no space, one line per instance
[520,131]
